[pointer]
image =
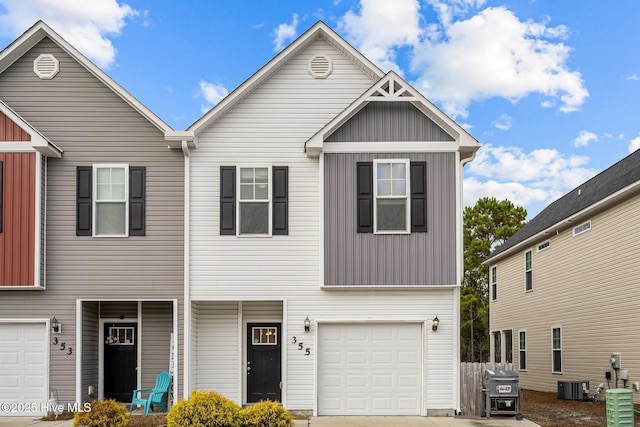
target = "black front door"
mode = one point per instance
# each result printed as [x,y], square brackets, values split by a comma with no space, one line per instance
[263,362]
[120,360]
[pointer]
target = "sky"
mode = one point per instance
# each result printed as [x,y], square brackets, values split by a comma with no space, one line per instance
[550,88]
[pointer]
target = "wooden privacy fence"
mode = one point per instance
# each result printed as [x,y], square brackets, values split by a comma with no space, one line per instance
[471,384]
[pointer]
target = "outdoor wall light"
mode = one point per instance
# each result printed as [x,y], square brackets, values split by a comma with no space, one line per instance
[435,323]
[56,327]
[307,324]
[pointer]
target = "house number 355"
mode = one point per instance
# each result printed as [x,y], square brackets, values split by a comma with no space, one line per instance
[307,351]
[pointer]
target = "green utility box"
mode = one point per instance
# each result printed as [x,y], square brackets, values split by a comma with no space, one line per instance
[619,407]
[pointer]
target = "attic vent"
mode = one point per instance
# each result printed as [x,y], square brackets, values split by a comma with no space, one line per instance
[320,66]
[46,66]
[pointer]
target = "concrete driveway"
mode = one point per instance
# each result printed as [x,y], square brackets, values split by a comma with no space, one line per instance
[413,422]
[333,422]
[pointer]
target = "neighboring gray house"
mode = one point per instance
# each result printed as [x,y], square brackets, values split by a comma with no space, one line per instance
[91,231]
[324,238]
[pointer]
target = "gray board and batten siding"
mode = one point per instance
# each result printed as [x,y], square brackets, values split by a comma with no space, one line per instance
[389,121]
[92,124]
[368,259]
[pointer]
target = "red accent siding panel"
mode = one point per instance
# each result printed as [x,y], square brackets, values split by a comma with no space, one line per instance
[10,131]
[17,239]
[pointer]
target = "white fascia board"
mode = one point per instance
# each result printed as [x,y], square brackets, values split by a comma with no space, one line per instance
[317,30]
[174,139]
[38,141]
[39,31]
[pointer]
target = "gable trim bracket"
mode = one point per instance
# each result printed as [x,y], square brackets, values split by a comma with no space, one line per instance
[392,88]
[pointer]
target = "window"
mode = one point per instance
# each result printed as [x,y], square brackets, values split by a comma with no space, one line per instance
[391,196]
[110,200]
[264,336]
[392,205]
[544,245]
[556,346]
[522,350]
[582,228]
[257,201]
[254,203]
[494,283]
[528,272]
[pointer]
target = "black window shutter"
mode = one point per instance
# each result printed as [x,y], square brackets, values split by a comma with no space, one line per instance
[280,200]
[227,200]
[418,197]
[83,201]
[137,200]
[0,197]
[364,189]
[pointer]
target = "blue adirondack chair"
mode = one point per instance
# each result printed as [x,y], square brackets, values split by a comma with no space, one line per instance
[155,394]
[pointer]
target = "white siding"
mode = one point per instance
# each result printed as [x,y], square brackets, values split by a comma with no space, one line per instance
[216,361]
[270,126]
[375,306]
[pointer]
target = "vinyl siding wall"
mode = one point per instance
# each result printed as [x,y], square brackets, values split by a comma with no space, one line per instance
[353,258]
[269,127]
[91,124]
[585,284]
[280,275]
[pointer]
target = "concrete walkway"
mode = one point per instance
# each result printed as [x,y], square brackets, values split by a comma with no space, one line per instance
[333,422]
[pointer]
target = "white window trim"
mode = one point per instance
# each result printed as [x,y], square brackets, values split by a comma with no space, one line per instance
[544,245]
[560,349]
[94,197]
[577,233]
[494,282]
[269,200]
[526,360]
[407,197]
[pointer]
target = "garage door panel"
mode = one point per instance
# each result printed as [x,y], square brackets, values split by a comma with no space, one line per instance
[370,369]
[23,364]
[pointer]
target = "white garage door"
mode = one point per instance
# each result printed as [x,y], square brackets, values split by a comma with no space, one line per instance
[369,369]
[23,366]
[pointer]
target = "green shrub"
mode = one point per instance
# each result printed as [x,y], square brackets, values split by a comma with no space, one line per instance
[104,413]
[202,409]
[266,414]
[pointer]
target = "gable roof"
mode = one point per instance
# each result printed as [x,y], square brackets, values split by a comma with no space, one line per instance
[319,29]
[601,191]
[38,141]
[39,31]
[393,88]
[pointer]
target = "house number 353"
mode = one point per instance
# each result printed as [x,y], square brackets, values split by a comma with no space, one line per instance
[307,351]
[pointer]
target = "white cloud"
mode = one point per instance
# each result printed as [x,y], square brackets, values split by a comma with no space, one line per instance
[503,122]
[518,193]
[584,138]
[537,177]
[212,94]
[380,26]
[285,33]
[84,24]
[494,54]
[633,76]
[634,144]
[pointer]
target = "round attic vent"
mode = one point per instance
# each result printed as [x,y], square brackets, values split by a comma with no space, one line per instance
[46,66]
[320,66]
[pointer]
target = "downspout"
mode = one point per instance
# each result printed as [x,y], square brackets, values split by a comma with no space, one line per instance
[186,303]
[460,162]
